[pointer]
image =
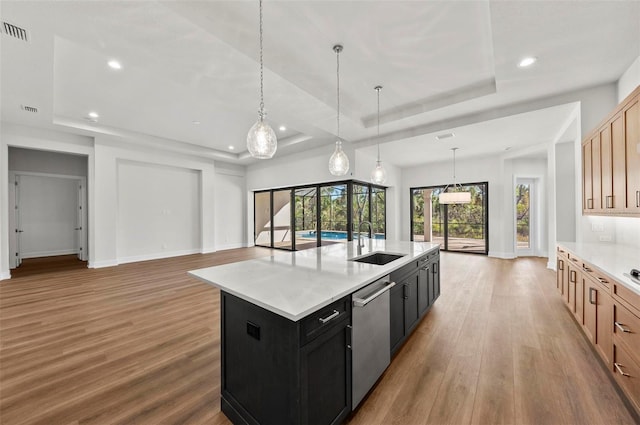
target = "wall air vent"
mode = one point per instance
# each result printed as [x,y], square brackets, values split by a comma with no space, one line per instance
[14,31]
[29,109]
[444,136]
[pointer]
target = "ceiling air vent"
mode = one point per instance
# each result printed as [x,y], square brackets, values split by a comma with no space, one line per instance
[15,32]
[29,109]
[444,136]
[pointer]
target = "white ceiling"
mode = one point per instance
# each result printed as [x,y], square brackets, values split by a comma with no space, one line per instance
[197,61]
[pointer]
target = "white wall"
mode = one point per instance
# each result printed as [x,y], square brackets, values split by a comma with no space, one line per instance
[629,80]
[565,194]
[39,161]
[110,151]
[158,211]
[230,207]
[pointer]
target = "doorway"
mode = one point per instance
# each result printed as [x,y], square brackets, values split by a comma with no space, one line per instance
[525,223]
[47,216]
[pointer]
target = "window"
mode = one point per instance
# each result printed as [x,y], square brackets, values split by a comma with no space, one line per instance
[336,208]
[456,227]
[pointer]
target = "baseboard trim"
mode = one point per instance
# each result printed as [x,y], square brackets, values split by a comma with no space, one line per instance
[101,264]
[41,254]
[503,255]
[157,256]
[231,246]
[5,275]
[551,265]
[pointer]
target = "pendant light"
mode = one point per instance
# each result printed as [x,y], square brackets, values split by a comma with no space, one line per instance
[339,162]
[379,174]
[454,196]
[261,139]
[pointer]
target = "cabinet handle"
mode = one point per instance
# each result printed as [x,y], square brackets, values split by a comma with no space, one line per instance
[574,260]
[619,326]
[591,292]
[435,268]
[619,367]
[573,276]
[601,280]
[560,265]
[590,203]
[405,290]
[586,269]
[638,198]
[333,315]
[349,336]
[607,201]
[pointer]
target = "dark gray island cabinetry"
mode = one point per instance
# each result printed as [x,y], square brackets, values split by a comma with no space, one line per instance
[275,371]
[298,329]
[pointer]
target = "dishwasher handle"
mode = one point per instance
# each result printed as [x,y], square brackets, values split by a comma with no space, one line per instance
[360,302]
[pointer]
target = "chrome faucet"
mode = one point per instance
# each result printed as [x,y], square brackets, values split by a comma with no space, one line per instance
[360,245]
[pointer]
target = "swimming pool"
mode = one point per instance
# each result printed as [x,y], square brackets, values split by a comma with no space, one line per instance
[333,235]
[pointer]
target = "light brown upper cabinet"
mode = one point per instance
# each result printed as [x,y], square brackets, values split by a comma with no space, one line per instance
[611,162]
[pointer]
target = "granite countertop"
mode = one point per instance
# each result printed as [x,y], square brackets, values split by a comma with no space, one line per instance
[295,284]
[616,261]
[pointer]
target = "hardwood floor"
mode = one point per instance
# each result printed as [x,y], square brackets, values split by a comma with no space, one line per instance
[139,344]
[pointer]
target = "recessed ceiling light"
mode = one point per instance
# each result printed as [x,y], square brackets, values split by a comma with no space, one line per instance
[195,122]
[282,128]
[528,61]
[231,148]
[114,64]
[93,114]
[444,136]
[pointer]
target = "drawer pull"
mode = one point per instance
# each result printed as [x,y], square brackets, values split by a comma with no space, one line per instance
[601,280]
[586,269]
[609,205]
[622,328]
[619,368]
[590,203]
[637,198]
[574,260]
[591,292]
[561,265]
[333,315]
[573,276]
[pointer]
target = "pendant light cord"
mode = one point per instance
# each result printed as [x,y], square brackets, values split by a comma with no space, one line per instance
[338,49]
[378,88]
[261,112]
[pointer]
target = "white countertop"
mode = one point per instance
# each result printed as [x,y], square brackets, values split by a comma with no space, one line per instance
[295,284]
[616,261]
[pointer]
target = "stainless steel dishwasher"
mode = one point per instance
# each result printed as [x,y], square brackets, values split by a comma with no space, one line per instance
[370,344]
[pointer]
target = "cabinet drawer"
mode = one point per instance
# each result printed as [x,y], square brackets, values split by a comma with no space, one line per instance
[627,328]
[322,320]
[631,299]
[595,274]
[403,271]
[627,373]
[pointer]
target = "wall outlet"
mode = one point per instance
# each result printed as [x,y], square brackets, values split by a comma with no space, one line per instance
[597,227]
[606,238]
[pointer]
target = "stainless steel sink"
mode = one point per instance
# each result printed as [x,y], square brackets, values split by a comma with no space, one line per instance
[378,258]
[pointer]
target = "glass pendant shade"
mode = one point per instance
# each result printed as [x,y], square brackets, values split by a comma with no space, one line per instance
[379,174]
[455,197]
[339,162]
[261,140]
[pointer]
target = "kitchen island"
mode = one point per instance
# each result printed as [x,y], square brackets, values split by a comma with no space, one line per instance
[287,329]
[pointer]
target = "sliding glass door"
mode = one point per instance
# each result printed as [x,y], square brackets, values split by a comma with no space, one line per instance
[315,215]
[456,227]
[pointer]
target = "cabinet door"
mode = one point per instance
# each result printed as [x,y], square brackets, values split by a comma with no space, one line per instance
[598,318]
[396,297]
[410,302]
[619,176]
[632,141]
[587,188]
[596,173]
[571,291]
[560,273]
[606,167]
[325,365]
[424,289]
[435,281]
[579,310]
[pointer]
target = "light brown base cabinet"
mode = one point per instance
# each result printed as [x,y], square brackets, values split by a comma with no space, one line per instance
[609,315]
